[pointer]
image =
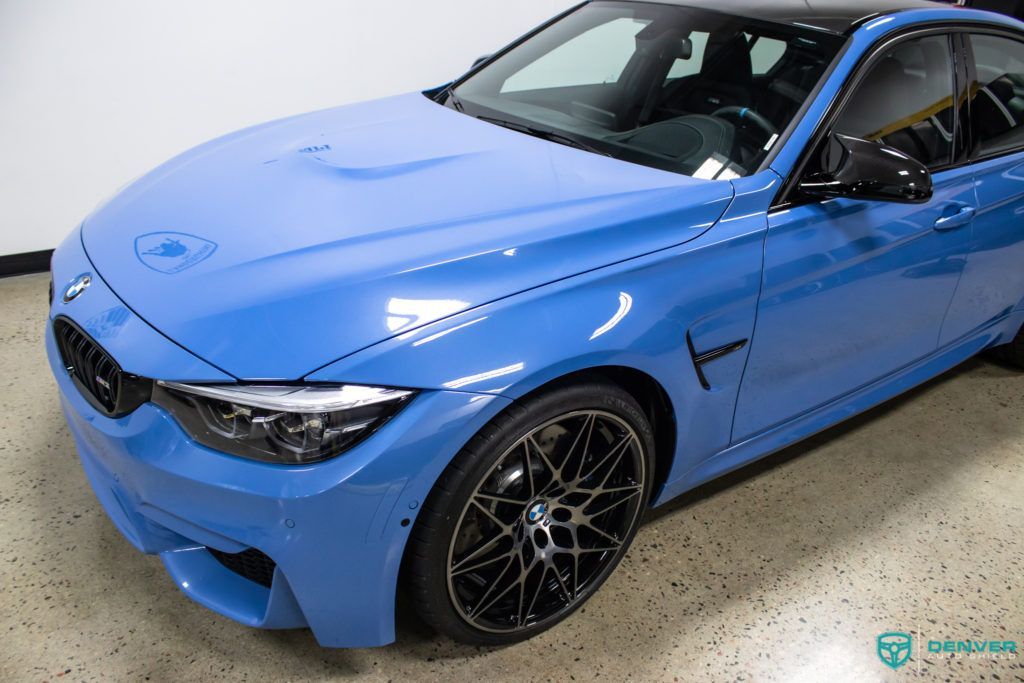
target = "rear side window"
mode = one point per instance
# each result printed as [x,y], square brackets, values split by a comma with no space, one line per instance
[998,105]
[906,101]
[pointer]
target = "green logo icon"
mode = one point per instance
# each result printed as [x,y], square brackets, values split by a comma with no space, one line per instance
[894,648]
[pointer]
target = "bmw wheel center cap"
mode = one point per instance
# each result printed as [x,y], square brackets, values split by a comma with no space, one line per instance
[537,512]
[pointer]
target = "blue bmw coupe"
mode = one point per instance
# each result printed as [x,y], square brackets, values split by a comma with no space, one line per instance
[458,341]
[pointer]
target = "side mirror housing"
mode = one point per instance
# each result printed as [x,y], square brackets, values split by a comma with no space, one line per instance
[862,169]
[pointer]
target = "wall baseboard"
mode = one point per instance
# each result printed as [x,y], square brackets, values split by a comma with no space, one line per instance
[29,262]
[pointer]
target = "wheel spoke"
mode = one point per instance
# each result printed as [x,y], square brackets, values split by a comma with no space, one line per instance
[494,519]
[621,489]
[522,599]
[480,551]
[536,592]
[576,573]
[616,452]
[558,577]
[612,506]
[606,535]
[494,498]
[477,611]
[556,473]
[482,563]
[480,606]
[613,468]
[528,470]
[583,436]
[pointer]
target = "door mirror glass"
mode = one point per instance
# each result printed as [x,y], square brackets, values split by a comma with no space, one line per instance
[862,169]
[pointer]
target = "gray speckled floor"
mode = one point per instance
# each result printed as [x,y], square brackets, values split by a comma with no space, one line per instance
[909,518]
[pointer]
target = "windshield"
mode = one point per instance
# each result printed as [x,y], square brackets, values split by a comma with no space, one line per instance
[692,91]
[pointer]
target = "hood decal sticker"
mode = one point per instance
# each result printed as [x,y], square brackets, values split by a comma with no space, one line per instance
[172,252]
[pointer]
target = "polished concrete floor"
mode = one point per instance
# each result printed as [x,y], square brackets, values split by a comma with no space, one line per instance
[907,519]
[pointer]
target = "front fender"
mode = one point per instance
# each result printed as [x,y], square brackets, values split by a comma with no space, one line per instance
[634,314]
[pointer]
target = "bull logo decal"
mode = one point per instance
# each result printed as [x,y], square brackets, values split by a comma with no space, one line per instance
[172,252]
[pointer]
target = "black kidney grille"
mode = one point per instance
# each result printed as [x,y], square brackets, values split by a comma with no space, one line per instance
[250,564]
[94,372]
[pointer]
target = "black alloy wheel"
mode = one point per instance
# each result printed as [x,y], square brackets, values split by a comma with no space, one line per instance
[533,515]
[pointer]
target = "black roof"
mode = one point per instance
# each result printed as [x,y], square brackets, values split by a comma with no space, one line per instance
[836,16]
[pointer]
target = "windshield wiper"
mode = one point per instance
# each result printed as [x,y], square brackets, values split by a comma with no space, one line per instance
[548,135]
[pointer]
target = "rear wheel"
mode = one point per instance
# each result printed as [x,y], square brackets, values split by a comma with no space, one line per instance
[1012,353]
[532,516]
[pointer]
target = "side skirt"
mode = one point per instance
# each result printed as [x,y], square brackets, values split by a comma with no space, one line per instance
[841,409]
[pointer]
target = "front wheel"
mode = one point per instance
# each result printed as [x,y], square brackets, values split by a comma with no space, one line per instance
[532,515]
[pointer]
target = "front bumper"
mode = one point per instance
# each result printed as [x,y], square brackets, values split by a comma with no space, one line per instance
[336,530]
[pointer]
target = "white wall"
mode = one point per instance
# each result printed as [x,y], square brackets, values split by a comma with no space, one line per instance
[95,92]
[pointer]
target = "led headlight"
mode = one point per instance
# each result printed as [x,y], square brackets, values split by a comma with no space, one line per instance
[292,425]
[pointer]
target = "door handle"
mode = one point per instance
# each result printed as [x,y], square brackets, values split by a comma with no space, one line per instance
[959,219]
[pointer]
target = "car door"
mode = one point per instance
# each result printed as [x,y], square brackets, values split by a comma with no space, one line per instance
[856,289]
[993,281]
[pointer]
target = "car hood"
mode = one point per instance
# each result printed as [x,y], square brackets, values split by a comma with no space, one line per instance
[278,249]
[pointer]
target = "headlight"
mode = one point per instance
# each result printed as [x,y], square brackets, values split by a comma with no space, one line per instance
[291,425]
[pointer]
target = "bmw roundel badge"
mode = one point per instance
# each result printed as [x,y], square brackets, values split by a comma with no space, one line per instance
[75,289]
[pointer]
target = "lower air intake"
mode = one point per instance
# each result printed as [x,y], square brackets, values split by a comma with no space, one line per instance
[250,564]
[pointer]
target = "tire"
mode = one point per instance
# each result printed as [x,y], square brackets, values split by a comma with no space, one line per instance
[1012,353]
[535,547]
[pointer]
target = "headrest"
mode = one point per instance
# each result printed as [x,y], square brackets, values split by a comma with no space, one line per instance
[727,58]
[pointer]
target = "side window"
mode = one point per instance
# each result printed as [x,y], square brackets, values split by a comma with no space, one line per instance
[906,101]
[997,109]
[596,56]
[766,53]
